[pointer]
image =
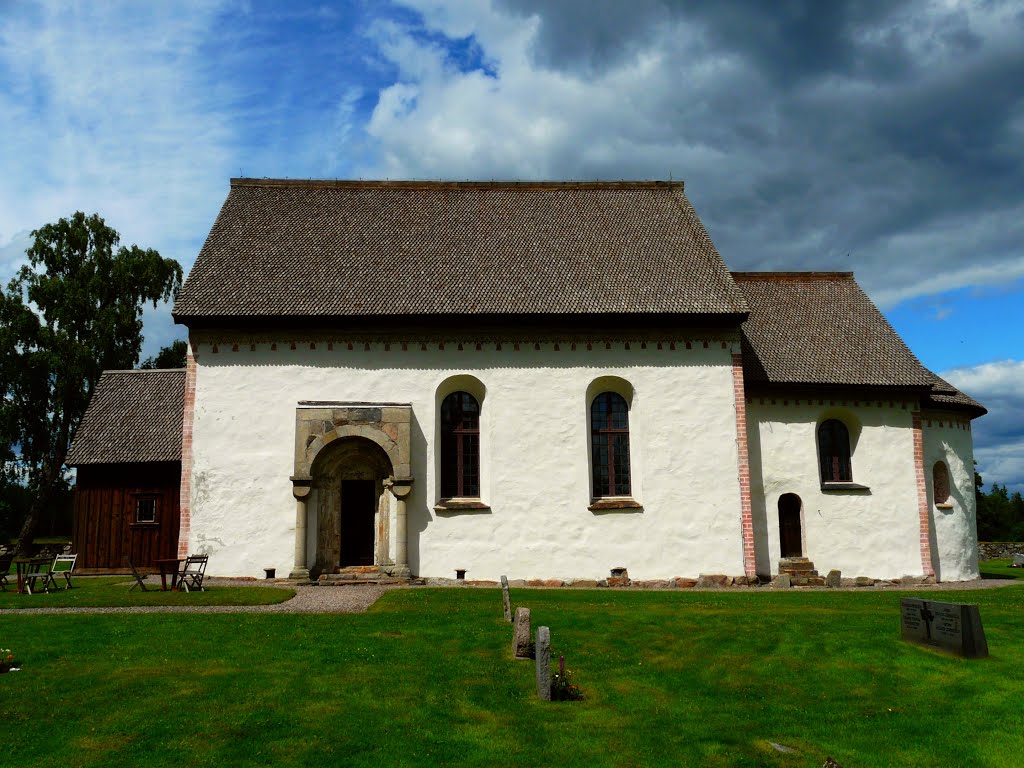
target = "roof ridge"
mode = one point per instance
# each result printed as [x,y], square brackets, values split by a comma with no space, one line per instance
[143,370]
[794,276]
[451,185]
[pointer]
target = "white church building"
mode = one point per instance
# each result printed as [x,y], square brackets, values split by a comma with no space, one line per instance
[547,380]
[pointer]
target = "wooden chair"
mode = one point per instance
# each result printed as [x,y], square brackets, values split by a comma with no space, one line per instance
[140,580]
[63,565]
[192,573]
[5,567]
[35,569]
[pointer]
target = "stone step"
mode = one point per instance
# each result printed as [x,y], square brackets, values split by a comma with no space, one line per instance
[347,575]
[792,565]
[811,572]
[326,581]
[807,581]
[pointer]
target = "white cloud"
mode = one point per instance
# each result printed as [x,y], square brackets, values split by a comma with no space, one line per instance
[12,255]
[111,108]
[108,108]
[998,436]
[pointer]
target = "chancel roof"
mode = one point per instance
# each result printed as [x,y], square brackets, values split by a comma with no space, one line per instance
[325,249]
[133,416]
[820,328]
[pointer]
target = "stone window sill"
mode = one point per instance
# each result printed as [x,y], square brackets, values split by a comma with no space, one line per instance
[615,503]
[844,487]
[461,505]
[944,505]
[144,525]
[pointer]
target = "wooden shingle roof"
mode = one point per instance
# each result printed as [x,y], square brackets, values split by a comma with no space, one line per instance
[133,416]
[325,249]
[820,328]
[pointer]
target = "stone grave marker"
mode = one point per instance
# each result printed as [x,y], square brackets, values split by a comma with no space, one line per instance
[505,598]
[542,652]
[953,627]
[1018,559]
[521,634]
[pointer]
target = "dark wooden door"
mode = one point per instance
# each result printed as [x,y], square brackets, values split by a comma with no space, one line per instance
[357,502]
[789,525]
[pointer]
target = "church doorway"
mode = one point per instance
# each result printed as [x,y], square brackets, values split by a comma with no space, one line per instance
[790,534]
[358,508]
[351,505]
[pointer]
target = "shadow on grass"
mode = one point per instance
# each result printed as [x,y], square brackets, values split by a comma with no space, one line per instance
[1000,569]
[116,592]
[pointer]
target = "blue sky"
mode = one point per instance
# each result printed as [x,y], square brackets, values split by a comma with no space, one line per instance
[886,139]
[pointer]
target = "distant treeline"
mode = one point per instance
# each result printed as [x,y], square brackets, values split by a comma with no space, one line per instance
[14,504]
[1000,513]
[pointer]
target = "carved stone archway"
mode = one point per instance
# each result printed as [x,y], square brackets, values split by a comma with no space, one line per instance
[318,427]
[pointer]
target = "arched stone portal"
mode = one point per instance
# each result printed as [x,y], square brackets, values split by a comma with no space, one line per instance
[346,455]
[353,512]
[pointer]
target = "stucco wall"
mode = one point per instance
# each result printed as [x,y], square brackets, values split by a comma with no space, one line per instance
[534,445]
[947,438]
[874,532]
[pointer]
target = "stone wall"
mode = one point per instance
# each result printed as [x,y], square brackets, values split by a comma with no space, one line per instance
[996,550]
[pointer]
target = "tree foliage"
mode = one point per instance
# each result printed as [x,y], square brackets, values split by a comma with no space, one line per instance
[1000,513]
[171,356]
[74,310]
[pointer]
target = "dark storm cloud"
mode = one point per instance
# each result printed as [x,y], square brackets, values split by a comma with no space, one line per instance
[789,40]
[861,128]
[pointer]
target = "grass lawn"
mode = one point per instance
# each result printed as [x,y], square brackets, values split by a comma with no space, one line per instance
[425,678]
[1000,569]
[107,591]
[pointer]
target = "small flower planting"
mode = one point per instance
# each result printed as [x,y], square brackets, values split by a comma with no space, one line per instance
[7,661]
[562,686]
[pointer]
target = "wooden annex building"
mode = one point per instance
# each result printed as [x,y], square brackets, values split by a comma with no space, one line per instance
[127,453]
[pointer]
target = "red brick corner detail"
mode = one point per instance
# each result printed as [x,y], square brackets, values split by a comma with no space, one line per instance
[922,495]
[185,505]
[743,459]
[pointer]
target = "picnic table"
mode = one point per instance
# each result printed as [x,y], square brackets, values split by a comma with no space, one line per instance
[169,565]
[29,569]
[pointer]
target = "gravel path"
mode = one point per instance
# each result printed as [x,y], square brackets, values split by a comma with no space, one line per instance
[308,599]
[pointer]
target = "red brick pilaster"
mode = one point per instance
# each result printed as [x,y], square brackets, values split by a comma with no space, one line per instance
[922,495]
[743,460]
[185,503]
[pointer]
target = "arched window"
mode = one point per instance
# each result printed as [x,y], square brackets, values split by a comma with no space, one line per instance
[609,440]
[834,452]
[940,483]
[460,446]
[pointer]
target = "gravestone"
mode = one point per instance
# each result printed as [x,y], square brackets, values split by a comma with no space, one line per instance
[521,634]
[1018,559]
[542,652]
[953,627]
[505,598]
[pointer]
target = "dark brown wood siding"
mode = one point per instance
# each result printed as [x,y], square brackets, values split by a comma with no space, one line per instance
[106,532]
